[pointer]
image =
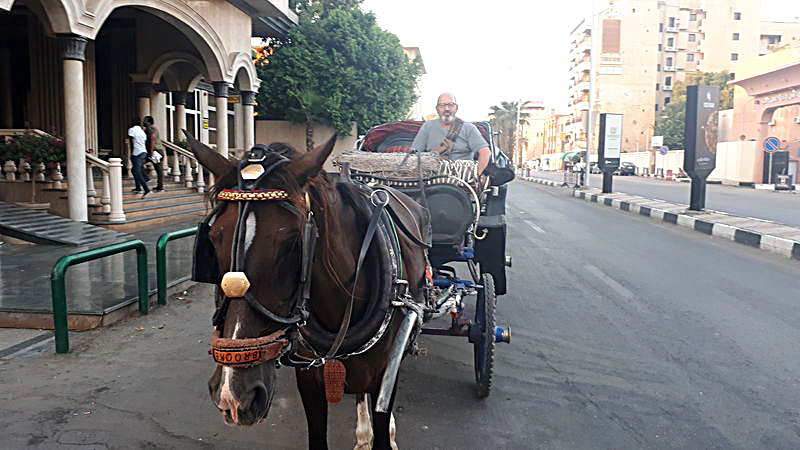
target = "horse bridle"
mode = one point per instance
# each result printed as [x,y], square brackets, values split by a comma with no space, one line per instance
[252,171]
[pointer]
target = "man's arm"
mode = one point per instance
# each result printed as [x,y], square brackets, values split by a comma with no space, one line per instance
[149,144]
[484,155]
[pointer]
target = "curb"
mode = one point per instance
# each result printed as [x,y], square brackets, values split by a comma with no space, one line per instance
[676,215]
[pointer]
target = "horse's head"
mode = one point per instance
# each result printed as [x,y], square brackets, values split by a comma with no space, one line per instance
[259,246]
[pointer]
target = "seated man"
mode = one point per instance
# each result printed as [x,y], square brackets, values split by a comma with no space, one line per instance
[451,137]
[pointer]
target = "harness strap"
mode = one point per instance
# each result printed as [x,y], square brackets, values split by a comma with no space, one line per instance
[365,244]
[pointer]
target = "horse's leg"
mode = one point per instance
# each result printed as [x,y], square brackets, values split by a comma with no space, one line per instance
[316,408]
[363,423]
[383,424]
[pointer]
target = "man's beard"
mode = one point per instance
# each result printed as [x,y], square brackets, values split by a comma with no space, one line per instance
[448,117]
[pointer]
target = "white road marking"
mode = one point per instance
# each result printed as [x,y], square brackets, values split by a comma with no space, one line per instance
[620,289]
[535,227]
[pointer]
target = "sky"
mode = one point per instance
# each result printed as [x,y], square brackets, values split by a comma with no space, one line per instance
[486,52]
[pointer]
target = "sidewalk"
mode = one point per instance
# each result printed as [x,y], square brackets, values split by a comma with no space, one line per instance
[94,287]
[762,234]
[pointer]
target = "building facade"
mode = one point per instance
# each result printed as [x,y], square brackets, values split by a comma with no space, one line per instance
[645,47]
[82,70]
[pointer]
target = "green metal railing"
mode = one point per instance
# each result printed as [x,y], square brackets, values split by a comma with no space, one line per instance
[161,259]
[59,289]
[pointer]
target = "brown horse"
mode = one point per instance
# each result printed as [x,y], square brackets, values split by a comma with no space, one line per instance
[269,244]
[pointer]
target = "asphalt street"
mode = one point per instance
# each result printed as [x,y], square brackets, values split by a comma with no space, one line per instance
[627,334]
[780,207]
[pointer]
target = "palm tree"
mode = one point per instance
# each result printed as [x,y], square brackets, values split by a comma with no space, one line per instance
[504,119]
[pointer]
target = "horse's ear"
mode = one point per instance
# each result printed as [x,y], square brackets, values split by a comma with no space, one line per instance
[211,160]
[310,164]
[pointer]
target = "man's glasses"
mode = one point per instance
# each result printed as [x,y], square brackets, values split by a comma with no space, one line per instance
[446,105]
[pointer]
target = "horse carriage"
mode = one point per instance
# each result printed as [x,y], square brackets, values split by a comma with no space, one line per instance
[467,215]
[335,275]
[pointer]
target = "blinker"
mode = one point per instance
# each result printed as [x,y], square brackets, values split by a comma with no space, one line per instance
[234,284]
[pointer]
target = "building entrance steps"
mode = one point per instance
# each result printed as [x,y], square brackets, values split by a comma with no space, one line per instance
[98,292]
[43,228]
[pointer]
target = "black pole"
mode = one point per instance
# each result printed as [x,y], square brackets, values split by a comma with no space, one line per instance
[697,201]
[607,181]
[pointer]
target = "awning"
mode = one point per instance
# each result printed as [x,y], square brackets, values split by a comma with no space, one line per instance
[569,156]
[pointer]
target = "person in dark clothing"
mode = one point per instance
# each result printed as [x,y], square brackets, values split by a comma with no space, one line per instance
[155,150]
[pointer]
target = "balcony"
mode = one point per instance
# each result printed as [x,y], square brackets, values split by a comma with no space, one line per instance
[669,68]
[585,46]
[584,66]
[582,105]
[667,87]
[583,86]
[668,29]
[670,49]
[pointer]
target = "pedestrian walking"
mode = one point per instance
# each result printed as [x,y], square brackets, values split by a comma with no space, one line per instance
[155,150]
[137,138]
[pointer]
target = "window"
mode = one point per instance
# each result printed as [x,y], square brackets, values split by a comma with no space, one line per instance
[692,38]
[733,76]
[774,39]
[693,17]
[669,62]
[660,47]
[737,16]
[658,86]
[690,57]
[661,27]
[668,81]
[658,68]
[671,42]
[734,56]
[656,107]
[735,36]
[667,100]
[672,22]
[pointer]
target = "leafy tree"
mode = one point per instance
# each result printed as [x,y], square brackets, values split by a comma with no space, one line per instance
[336,67]
[504,119]
[670,122]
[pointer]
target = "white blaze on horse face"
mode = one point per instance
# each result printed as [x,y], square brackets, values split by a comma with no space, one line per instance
[227,400]
[363,424]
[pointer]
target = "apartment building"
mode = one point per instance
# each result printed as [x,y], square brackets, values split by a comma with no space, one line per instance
[556,140]
[626,71]
[656,43]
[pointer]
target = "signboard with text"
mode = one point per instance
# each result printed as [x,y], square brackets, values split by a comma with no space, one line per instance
[610,141]
[700,130]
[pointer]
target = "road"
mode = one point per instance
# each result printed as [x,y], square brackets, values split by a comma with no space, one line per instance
[627,334]
[780,207]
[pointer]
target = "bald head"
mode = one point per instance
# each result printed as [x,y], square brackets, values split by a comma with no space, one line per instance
[446,107]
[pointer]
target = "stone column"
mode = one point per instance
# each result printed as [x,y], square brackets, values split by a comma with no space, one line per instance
[73,54]
[221,94]
[143,93]
[179,100]
[248,112]
[115,182]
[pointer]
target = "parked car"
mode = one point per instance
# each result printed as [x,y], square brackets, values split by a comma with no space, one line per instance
[626,168]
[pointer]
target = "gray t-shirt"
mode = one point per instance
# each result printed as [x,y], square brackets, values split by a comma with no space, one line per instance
[467,145]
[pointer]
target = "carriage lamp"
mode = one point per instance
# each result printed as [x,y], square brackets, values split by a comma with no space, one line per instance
[234,284]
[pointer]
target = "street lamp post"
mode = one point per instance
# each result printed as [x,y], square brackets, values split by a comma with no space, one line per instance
[592,79]
[516,137]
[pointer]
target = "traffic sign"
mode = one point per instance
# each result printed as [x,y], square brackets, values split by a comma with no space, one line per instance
[771,144]
[663,150]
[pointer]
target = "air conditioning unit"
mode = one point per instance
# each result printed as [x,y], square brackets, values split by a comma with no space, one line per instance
[797,119]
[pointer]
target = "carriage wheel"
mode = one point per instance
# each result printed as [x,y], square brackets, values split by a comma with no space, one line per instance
[483,347]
